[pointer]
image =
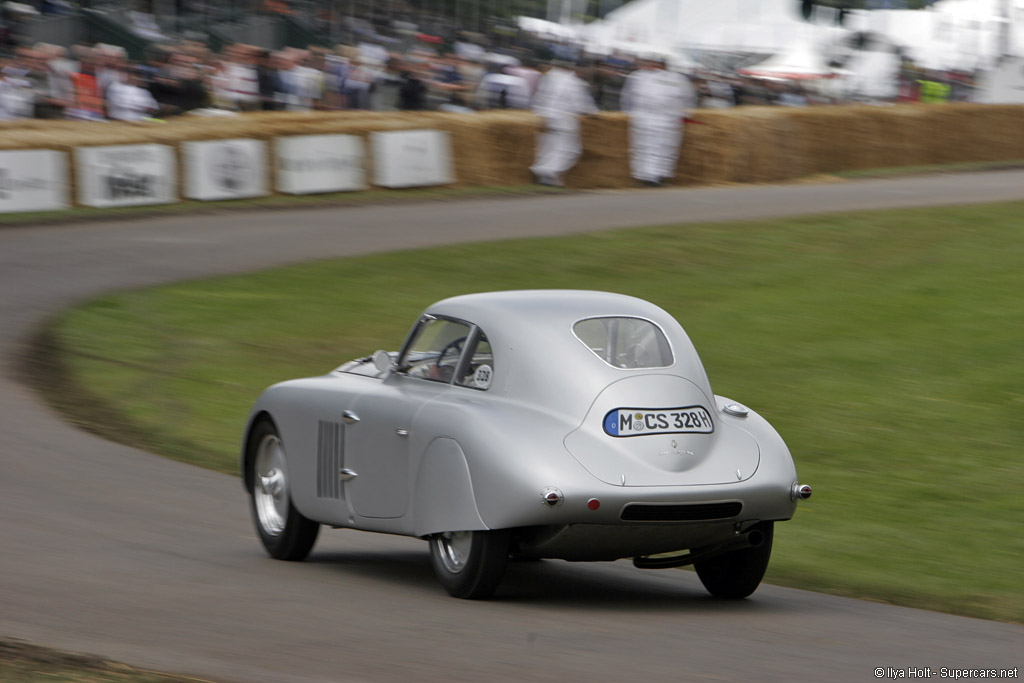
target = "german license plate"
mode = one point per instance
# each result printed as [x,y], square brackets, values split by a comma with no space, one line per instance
[623,422]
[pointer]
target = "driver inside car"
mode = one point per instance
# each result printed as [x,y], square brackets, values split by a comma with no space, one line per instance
[436,350]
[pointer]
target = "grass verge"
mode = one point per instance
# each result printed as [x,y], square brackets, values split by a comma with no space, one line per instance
[927,169]
[21,662]
[278,201]
[886,347]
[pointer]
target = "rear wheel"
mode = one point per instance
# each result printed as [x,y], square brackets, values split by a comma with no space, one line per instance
[737,574]
[470,564]
[285,533]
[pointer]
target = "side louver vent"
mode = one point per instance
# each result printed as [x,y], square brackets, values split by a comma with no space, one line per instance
[330,447]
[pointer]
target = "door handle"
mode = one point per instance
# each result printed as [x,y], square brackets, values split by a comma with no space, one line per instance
[402,432]
[347,475]
[349,417]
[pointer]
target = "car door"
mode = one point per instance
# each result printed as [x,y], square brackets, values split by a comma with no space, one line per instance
[379,437]
[378,444]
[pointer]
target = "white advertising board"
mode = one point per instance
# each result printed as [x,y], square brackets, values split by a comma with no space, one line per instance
[33,180]
[225,169]
[307,164]
[126,175]
[412,158]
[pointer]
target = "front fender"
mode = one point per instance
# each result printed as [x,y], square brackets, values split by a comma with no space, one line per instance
[443,498]
[247,453]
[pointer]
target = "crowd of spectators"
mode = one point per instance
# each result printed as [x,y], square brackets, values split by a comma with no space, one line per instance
[98,82]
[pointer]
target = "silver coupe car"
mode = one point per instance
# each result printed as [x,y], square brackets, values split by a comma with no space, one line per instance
[575,425]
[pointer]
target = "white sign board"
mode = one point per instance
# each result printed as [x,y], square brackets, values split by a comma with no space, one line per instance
[33,180]
[306,164]
[412,158]
[225,169]
[126,175]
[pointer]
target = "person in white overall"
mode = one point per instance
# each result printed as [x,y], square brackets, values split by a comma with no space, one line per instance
[657,101]
[560,98]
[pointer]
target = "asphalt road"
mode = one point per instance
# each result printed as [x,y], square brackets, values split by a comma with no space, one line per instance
[113,551]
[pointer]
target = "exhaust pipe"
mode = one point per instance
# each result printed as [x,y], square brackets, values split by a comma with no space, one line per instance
[751,539]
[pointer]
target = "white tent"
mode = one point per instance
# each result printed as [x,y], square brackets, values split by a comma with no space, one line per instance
[951,34]
[800,61]
[764,26]
[549,29]
[872,74]
[1003,84]
[675,60]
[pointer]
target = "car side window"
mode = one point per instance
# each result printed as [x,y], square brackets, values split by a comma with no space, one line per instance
[434,351]
[478,369]
[625,342]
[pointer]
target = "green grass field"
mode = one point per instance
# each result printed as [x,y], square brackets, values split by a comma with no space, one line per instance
[887,349]
[26,663]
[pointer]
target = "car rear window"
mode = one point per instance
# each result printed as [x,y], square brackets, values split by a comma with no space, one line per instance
[625,342]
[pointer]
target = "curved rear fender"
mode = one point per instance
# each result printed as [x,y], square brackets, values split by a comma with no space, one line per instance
[512,451]
[776,460]
[443,498]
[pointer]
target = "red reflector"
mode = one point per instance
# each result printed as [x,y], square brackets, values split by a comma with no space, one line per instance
[593,503]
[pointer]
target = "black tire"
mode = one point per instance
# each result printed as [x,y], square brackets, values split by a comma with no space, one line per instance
[284,532]
[470,564]
[737,574]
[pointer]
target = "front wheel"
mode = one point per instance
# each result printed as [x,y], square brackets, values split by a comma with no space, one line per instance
[284,532]
[737,574]
[470,564]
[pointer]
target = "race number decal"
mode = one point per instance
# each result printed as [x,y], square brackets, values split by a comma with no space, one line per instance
[623,422]
[482,377]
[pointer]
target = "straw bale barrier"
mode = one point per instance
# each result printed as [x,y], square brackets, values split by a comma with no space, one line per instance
[742,145]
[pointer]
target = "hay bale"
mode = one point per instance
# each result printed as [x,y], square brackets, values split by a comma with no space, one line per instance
[949,133]
[1003,139]
[604,162]
[706,155]
[825,141]
[493,149]
[895,126]
[745,144]
[865,138]
[766,146]
[976,132]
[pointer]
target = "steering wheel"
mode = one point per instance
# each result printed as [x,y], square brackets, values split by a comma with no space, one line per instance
[445,372]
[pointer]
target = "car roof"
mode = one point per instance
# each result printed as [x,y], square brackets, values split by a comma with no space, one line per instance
[532,331]
[545,307]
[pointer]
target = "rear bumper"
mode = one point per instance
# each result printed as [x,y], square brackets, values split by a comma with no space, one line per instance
[680,507]
[637,521]
[595,542]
